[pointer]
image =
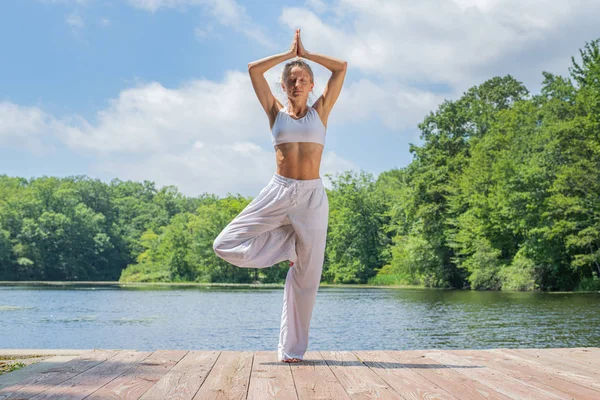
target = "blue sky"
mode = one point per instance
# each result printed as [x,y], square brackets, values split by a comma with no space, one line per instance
[158,89]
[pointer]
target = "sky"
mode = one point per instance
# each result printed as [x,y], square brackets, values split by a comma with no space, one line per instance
[158,90]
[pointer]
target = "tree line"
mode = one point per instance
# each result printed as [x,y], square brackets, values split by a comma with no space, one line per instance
[503,193]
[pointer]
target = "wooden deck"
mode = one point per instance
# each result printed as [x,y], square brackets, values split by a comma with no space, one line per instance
[417,374]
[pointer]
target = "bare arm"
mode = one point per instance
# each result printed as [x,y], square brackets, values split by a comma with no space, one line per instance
[334,85]
[332,64]
[257,69]
[325,103]
[264,64]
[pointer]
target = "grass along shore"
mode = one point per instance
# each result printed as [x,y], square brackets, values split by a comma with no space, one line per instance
[247,285]
[265,285]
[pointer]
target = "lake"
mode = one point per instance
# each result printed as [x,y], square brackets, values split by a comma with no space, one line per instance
[247,318]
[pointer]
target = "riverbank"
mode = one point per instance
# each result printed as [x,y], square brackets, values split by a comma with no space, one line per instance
[173,284]
[246,285]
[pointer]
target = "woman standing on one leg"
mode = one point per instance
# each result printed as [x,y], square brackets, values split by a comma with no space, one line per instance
[288,219]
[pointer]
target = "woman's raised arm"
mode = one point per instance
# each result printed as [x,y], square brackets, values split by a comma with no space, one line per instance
[325,103]
[257,69]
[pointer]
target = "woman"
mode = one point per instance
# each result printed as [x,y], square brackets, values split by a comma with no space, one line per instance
[288,219]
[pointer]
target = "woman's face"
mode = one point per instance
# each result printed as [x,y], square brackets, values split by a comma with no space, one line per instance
[298,84]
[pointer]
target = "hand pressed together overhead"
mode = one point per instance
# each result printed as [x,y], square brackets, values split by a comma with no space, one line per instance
[297,47]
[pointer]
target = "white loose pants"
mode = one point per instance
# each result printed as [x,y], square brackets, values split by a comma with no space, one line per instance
[286,221]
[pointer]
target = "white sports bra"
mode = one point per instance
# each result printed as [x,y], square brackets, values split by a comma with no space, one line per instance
[309,128]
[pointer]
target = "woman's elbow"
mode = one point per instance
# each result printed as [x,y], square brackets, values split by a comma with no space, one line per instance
[344,66]
[253,69]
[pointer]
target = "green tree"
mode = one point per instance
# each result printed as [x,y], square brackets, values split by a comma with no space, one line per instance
[354,240]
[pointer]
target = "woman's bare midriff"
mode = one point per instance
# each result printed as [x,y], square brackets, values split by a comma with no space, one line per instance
[299,160]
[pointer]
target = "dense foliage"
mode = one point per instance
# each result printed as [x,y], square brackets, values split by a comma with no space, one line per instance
[504,193]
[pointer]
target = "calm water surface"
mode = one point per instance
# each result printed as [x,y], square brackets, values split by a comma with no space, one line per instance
[220,318]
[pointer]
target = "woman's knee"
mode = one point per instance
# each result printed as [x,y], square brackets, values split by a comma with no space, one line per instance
[232,254]
[219,246]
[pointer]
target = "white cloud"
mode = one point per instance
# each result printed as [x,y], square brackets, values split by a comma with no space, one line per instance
[227,12]
[206,32]
[27,127]
[152,118]
[397,106]
[318,5]
[75,21]
[461,42]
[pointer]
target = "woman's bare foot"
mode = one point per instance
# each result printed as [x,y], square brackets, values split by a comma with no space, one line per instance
[292,360]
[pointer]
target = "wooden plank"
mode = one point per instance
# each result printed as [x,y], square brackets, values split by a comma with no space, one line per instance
[501,374]
[14,377]
[88,382]
[502,383]
[185,378]
[315,380]
[229,377]
[358,380]
[531,376]
[403,380]
[140,377]
[445,376]
[590,356]
[560,361]
[552,369]
[271,378]
[40,381]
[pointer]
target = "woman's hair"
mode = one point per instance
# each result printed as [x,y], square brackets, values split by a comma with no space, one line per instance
[297,62]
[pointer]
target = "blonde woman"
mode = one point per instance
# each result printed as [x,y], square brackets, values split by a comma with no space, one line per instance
[288,218]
